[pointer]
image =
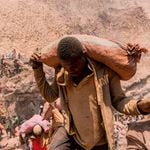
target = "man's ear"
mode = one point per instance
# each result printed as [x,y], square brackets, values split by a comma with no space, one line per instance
[84,49]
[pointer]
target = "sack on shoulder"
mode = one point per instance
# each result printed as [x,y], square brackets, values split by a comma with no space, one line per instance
[121,59]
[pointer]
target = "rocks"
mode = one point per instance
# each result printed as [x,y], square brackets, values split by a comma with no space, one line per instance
[10,144]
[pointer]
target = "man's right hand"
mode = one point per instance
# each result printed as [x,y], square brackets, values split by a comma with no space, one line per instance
[35,60]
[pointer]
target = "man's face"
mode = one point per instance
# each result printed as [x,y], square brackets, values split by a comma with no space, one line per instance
[74,66]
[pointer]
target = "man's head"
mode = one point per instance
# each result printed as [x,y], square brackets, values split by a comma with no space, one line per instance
[70,53]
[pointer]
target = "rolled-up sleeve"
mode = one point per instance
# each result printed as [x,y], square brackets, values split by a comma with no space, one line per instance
[48,91]
[119,100]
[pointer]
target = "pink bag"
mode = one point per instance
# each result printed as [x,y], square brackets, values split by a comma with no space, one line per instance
[28,125]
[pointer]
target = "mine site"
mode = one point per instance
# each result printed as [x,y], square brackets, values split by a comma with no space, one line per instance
[32,33]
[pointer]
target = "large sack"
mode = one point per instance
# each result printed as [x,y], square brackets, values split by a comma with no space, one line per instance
[122,59]
[138,135]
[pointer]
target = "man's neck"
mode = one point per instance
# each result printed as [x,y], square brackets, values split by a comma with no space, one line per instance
[84,73]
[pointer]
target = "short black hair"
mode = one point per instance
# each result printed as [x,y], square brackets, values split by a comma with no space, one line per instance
[69,48]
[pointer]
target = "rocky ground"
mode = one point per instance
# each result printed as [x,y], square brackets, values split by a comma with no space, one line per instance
[30,24]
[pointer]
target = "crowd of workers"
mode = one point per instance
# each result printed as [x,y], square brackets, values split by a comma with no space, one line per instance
[10,64]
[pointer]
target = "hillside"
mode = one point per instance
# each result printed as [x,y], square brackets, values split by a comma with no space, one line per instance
[29,24]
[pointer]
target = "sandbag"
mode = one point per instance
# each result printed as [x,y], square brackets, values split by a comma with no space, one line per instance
[121,59]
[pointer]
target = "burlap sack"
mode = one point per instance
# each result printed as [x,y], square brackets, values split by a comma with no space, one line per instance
[122,59]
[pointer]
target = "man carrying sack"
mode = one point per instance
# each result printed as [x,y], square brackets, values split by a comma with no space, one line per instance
[88,91]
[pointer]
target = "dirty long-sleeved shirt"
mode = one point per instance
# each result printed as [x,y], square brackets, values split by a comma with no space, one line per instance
[105,90]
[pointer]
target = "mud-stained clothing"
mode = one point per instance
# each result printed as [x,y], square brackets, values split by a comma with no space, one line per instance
[100,99]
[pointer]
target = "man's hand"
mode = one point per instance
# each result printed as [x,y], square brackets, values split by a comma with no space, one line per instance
[135,50]
[58,119]
[144,106]
[35,60]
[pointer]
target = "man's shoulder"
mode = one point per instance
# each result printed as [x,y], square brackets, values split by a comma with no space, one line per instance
[98,65]
[101,67]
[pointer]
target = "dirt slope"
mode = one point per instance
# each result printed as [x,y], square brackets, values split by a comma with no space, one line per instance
[28,24]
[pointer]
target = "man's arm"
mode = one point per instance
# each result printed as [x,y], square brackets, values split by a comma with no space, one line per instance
[124,104]
[48,91]
[119,100]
